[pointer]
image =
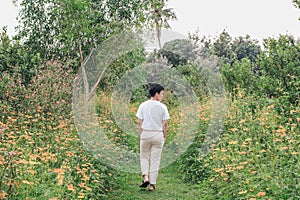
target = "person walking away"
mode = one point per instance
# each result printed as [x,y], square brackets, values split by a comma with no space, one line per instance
[153,119]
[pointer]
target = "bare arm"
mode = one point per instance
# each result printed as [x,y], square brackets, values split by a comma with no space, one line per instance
[140,122]
[165,127]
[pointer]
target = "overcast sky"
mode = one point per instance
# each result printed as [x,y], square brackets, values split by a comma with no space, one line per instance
[257,18]
[8,14]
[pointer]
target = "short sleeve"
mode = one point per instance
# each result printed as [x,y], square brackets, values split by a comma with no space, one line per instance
[166,115]
[139,113]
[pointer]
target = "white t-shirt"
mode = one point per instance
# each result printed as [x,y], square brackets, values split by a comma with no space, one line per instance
[153,113]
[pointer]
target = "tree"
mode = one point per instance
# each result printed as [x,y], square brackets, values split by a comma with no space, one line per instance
[239,75]
[244,47]
[221,47]
[15,59]
[158,16]
[178,51]
[280,68]
[228,49]
[68,29]
[53,27]
[297,4]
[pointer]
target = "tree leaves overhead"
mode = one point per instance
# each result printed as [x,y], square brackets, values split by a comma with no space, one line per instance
[128,12]
[57,28]
[158,16]
[52,27]
[245,47]
[221,47]
[228,49]
[178,51]
[297,4]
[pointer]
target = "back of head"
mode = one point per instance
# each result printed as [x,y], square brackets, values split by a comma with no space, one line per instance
[155,88]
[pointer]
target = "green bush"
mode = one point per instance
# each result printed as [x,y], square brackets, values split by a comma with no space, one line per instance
[280,68]
[239,76]
[16,60]
[256,156]
[41,155]
[119,67]
[196,77]
[275,73]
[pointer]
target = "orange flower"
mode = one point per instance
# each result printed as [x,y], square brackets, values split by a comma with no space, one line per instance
[58,170]
[284,148]
[3,195]
[82,185]
[233,142]
[70,154]
[233,130]
[60,178]
[31,171]
[85,178]
[240,167]
[260,194]
[71,187]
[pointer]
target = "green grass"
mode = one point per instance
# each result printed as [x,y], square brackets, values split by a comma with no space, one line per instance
[169,186]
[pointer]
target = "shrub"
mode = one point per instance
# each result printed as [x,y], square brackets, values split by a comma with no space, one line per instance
[280,68]
[41,154]
[239,76]
[255,157]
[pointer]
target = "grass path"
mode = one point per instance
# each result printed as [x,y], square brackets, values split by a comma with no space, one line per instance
[169,186]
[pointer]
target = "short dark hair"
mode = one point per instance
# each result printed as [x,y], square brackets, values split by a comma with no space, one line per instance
[155,88]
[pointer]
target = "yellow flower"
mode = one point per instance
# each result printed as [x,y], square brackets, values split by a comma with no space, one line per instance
[27,182]
[243,192]
[218,169]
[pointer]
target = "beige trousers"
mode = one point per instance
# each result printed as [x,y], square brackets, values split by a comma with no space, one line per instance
[151,145]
